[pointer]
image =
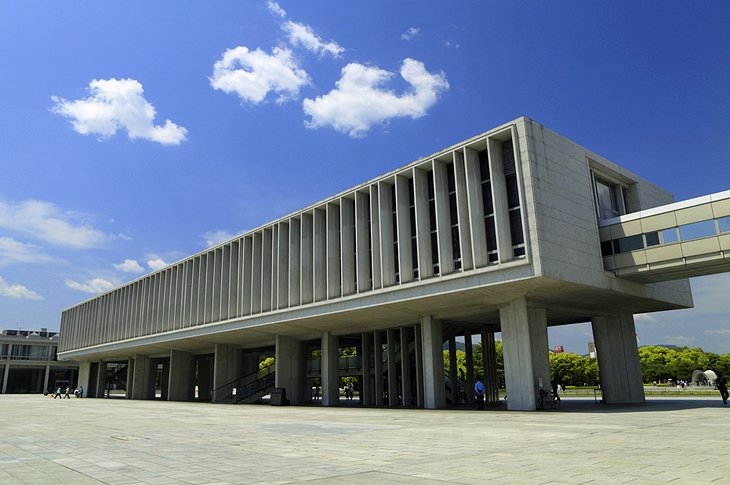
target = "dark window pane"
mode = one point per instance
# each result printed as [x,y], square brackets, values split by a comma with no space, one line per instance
[455,242]
[513,196]
[395,256]
[450,177]
[413,222]
[652,238]
[484,165]
[432,214]
[414,252]
[491,233]
[627,244]
[493,257]
[434,249]
[518,252]
[487,198]
[429,175]
[515,227]
[606,248]
[452,209]
[508,157]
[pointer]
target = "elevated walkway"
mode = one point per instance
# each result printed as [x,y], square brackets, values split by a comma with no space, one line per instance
[679,240]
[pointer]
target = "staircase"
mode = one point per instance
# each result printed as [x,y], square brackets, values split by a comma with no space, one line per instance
[249,388]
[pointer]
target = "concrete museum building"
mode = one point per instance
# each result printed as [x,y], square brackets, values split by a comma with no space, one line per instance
[510,231]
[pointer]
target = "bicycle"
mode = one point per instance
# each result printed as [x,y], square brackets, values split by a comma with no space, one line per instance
[547,400]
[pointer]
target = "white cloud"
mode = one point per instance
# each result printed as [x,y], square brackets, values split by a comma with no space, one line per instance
[45,221]
[17,291]
[451,44]
[129,266]
[252,75]
[95,286]
[156,263]
[276,9]
[718,331]
[12,251]
[410,33]
[358,102]
[116,104]
[644,317]
[215,237]
[303,35]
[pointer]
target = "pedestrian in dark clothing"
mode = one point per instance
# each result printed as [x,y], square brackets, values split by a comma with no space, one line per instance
[58,393]
[479,394]
[721,384]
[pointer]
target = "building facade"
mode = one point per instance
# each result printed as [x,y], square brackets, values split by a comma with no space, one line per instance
[498,233]
[29,362]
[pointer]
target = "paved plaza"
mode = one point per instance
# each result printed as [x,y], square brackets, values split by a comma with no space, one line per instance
[83,441]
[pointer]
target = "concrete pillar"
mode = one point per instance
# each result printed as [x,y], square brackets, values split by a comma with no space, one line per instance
[291,367]
[489,365]
[164,378]
[453,374]
[6,373]
[205,378]
[182,376]
[84,371]
[618,359]
[46,376]
[143,381]
[130,377]
[378,368]
[100,384]
[329,370]
[392,377]
[524,336]
[367,397]
[433,363]
[418,343]
[226,369]
[469,350]
[405,366]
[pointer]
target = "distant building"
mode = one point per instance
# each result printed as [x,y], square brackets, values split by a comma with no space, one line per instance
[29,363]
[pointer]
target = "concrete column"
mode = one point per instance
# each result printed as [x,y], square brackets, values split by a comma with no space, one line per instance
[392,377]
[205,378]
[143,381]
[524,336]
[378,368]
[418,343]
[100,384]
[226,368]
[182,376]
[164,379]
[405,366]
[453,374]
[469,350]
[46,376]
[433,363]
[489,365]
[618,359]
[84,371]
[367,397]
[130,380]
[329,370]
[6,373]
[291,367]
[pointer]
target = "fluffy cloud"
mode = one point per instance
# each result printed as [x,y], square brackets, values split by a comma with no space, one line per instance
[95,286]
[276,9]
[410,33]
[116,104]
[213,238]
[45,221]
[129,266]
[252,75]
[12,251]
[17,291]
[358,102]
[303,35]
[156,263]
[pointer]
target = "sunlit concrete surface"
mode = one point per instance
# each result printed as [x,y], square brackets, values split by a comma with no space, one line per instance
[119,441]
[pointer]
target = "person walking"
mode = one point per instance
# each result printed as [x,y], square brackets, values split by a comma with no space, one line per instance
[58,393]
[721,385]
[479,394]
[67,394]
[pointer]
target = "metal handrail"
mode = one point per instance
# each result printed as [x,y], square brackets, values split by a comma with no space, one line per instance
[252,377]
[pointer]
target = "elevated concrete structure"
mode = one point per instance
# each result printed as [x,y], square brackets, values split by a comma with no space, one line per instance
[501,232]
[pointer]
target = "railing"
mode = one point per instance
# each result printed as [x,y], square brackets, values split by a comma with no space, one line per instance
[234,390]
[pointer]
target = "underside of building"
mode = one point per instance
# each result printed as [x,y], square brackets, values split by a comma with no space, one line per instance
[510,231]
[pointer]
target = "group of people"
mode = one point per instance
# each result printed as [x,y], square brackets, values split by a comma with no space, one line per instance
[66,393]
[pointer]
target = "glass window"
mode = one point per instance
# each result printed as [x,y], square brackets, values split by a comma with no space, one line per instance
[606,248]
[652,239]
[627,244]
[669,235]
[724,224]
[697,230]
[607,203]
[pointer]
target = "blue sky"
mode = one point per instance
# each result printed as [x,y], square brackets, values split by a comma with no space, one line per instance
[130,137]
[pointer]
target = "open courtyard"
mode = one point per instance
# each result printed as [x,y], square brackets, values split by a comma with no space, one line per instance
[116,441]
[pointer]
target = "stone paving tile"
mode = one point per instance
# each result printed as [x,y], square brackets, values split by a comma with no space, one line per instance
[117,441]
